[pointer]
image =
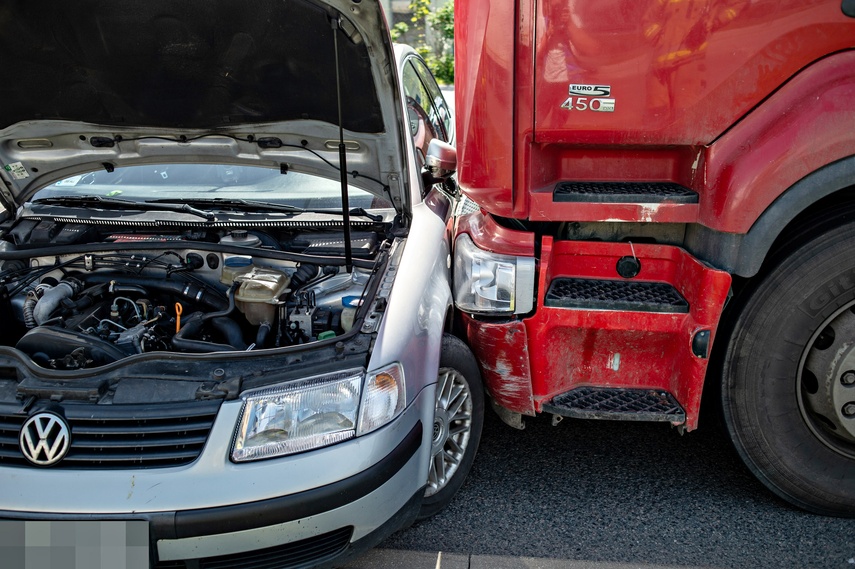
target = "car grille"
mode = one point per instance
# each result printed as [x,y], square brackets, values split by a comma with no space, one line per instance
[306,552]
[106,437]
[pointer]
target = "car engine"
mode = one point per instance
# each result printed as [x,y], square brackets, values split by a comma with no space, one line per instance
[185,291]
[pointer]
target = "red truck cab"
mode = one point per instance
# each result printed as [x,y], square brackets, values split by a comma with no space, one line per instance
[666,200]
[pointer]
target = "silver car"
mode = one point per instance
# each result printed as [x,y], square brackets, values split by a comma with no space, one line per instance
[224,267]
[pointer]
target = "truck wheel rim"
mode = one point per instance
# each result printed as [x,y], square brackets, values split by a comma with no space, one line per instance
[826,382]
[451,428]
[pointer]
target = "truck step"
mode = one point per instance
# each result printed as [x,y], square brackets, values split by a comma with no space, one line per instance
[591,294]
[623,192]
[617,405]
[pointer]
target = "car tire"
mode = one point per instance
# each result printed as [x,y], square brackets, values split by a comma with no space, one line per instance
[457,427]
[787,400]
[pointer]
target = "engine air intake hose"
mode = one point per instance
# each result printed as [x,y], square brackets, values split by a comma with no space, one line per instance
[185,289]
[192,327]
[304,273]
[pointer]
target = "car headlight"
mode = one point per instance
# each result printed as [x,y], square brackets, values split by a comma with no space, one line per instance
[316,412]
[486,282]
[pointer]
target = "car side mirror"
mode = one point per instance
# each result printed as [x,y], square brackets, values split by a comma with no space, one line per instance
[441,159]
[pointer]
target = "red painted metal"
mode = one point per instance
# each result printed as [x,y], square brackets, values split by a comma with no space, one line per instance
[544,209]
[527,363]
[808,123]
[484,99]
[618,348]
[735,99]
[501,348]
[502,352]
[560,162]
[490,236]
[524,102]
[681,73]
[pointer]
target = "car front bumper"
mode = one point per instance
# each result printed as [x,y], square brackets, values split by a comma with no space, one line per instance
[221,524]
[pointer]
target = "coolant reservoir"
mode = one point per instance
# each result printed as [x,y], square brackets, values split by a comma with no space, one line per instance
[258,294]
[233,267]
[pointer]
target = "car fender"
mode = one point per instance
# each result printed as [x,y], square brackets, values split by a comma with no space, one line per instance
[414,319]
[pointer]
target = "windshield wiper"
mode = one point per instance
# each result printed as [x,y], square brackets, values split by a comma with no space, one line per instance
[254,205]
[234,203]
[117,203]
[353,211]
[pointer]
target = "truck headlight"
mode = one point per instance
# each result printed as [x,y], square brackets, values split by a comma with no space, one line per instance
[486,282]
[316,412]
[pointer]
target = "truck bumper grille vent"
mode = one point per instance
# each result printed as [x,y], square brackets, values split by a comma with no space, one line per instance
[617,404]
[590,294]
[623,192]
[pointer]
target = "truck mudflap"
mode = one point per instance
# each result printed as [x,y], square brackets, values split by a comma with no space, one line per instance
[648,330]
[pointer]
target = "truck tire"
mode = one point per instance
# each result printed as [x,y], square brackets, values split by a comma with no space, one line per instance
[788,375]
[457,425]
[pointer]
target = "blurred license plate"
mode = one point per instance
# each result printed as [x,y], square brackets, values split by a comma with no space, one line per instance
[74,544]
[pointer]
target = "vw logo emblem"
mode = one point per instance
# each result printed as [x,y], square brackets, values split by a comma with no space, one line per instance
[45,439]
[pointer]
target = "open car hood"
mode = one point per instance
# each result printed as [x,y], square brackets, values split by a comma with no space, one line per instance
[104,83]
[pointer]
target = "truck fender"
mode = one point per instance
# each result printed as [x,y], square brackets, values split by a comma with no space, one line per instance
[744,254]
[799,129]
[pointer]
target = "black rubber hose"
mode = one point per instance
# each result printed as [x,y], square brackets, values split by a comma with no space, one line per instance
[126,289]
[304,273]
[231,332]
[313,283]
[182,289]
[29,306]
[52,298]
[261,337]
[228,309]
[191,327]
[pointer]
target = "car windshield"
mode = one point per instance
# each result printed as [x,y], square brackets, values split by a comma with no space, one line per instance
[212,181]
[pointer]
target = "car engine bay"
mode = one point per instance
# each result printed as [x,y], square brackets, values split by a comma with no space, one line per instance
[76,295]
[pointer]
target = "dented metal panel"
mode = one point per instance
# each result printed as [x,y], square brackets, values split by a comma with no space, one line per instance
[502,350]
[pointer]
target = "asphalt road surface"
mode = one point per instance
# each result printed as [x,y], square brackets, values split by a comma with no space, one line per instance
[634,493]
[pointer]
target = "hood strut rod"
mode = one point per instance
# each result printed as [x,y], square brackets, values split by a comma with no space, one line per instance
[342,153]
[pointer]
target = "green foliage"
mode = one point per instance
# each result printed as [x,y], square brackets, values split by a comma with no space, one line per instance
[438,50]
[443,21]
[420,9]
[398,30]
[443,68]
